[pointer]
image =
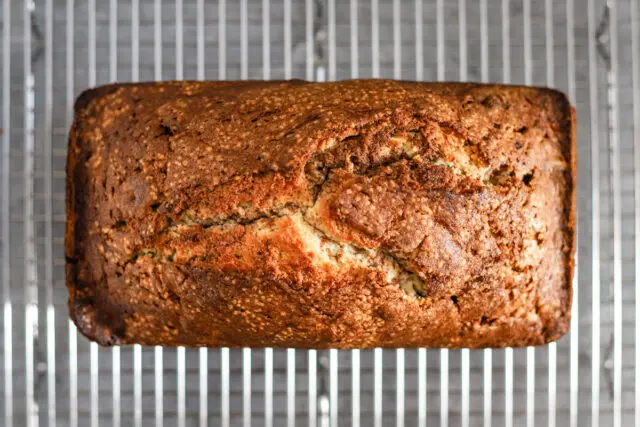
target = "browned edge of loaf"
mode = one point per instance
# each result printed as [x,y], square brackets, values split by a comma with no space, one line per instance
[106,328]
[563,327]
[95,326]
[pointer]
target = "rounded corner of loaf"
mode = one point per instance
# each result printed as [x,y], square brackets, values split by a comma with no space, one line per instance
[92,94]
[557,328]
[93,324]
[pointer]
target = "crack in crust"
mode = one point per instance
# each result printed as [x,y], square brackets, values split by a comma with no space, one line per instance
[414,285]
[407,150]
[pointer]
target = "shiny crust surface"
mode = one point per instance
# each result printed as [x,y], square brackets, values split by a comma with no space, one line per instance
[355,214]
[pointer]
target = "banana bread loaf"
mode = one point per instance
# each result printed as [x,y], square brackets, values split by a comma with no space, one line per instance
[363,213]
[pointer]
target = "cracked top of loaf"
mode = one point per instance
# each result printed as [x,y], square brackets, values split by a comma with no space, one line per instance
[362,213]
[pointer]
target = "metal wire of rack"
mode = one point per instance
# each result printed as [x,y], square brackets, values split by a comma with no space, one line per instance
[52,49]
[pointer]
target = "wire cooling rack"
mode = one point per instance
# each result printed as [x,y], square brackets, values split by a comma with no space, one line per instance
[53,49]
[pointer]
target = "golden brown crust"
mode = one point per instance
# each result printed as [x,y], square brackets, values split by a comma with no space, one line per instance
[363,213]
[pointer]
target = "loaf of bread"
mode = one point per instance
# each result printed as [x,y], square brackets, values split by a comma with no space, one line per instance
[355,214]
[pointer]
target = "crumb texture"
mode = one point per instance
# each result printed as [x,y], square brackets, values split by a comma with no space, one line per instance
[356,214]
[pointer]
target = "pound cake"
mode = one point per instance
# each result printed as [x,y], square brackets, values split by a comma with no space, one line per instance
[353,214]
